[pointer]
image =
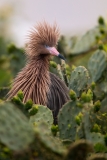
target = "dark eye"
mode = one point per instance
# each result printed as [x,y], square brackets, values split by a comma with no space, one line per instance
[46,46]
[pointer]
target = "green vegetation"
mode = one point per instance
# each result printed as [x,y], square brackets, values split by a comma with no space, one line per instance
[26,129]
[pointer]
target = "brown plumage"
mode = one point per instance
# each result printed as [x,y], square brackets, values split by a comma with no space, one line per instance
[35,80]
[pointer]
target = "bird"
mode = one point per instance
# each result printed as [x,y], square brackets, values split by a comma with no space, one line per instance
[35,80]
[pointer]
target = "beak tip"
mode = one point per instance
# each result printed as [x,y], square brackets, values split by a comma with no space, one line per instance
[61,56]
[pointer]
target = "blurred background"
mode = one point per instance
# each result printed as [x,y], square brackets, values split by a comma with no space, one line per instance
[82,24]
[73,17]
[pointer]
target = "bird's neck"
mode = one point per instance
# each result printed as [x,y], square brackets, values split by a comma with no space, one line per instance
[39,68]
[41,63]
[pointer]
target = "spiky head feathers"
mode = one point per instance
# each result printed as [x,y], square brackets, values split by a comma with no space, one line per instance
[42,35]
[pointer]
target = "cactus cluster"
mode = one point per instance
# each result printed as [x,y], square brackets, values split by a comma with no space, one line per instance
[43,115]
[15,131]
[97,64]
[27,131]
[68,125]
[76,80]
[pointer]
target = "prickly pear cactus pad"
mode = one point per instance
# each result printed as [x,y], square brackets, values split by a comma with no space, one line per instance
[67,120]
[95,138]
[15,131]
[87,124]
[87,41]
[47,140]
[89,131]
[97,64]
[44,114]
[103,108]
[79,79]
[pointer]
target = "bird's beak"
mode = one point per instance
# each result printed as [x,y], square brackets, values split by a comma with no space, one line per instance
[54,52]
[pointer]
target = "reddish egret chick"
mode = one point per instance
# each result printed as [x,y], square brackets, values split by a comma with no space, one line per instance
[35,80]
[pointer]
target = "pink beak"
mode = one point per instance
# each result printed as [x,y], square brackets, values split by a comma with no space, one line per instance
[54,52]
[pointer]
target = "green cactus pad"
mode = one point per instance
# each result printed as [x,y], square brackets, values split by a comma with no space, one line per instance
[95,138]
[97,64]
[46,139]
[87,41]
[66,120]
[79,79]
[91,136]
[87,125]
[44,114]
[16,56]
[103,107]
[15,131]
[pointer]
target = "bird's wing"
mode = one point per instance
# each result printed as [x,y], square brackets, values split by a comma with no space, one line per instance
[57,96]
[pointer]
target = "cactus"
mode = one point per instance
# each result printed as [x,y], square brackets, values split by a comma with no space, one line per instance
[95,138]
[87,125]
[83,117]
[16,55]
[72,95]
[87,41]
[103,107]
[17,101]
[101,21]
[44,136]
[53,64]
[97,64]
[90,126]
[98,93]
[100,148]
[54,129]
[97,106]
[15,131]
[33,110]
[60,74]
[27,108]
[96,128]
[44,114]
[3,92]
[64,72]
[86,97]
[62,45]
[93,85]
[28,104]
[103,85]
[67,120]
[20,95]
[79,80]
[48,146]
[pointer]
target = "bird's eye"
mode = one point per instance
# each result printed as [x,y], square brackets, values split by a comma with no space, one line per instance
[46,46]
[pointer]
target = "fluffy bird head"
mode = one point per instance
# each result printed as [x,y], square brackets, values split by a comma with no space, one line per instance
[43,40]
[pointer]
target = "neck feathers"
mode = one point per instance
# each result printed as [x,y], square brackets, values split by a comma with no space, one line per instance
[33,80]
